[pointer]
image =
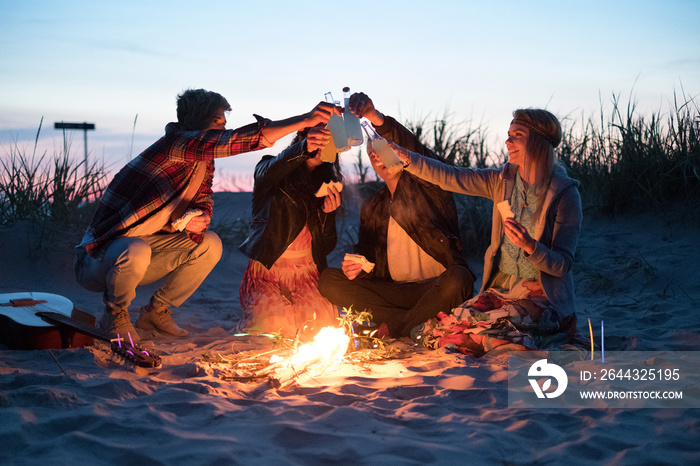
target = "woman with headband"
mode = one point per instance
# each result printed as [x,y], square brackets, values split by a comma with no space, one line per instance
[527,279]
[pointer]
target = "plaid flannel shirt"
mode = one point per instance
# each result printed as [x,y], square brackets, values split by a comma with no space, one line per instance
[160,173]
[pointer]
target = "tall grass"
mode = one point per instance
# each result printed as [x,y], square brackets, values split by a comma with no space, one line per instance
[632,162]
[34,187]
[456,144]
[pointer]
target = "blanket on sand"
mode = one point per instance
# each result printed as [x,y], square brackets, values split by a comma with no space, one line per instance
[493,322]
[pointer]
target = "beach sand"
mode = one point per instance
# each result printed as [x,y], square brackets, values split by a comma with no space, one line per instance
[637,273]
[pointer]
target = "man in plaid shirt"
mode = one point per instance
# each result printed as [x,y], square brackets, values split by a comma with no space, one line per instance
[152,221]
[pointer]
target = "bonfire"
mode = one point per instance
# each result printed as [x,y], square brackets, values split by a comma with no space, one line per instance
[290,358]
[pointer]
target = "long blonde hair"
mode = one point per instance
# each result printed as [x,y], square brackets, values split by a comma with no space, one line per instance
[545,135]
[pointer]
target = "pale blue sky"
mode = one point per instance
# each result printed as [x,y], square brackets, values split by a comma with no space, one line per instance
[105,62]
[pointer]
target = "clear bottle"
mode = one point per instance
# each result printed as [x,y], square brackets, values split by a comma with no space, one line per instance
[329,152]
[352,122]
[337,127]
[382,148]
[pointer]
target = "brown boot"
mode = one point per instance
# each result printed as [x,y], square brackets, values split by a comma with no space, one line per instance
[118,324]
[161,320]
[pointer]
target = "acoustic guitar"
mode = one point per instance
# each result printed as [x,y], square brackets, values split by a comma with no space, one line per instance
[49,321]
[21,328]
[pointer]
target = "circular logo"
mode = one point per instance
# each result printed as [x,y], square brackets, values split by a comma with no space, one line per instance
[543,369]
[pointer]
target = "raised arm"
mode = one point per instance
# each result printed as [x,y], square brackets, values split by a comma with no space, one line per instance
[387,127]
[484,182]
[320,114]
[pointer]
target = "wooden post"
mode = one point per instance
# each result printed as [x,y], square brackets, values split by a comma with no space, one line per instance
[85,127]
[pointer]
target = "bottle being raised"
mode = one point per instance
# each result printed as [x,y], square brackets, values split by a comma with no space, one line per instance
[352,122]
[383,150]
[337,127]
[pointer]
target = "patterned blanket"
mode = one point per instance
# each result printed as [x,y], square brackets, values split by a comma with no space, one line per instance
[491,322]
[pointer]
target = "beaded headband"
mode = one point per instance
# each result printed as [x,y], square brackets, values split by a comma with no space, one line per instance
[536,129]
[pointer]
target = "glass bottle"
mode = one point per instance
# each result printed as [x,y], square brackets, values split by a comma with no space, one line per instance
[352,122]
[329,152]
[337,127]
[383,150]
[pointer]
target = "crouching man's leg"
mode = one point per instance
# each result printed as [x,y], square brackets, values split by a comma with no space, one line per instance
[186,264]
[446,292]
[116,276]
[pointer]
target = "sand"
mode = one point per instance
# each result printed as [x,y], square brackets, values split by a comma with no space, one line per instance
[637,273]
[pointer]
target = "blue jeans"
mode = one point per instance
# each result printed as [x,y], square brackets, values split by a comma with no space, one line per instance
[132,261]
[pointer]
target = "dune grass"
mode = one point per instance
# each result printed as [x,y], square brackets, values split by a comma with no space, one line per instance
[457,144]
[632,162]
[50,192]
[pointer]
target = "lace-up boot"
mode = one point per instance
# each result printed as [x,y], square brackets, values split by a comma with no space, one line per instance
[159,319]
[118,323]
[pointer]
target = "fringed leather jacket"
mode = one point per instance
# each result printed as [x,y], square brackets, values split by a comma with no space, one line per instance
[279,215]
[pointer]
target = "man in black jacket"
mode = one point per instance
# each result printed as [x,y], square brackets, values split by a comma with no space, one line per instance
[409,230]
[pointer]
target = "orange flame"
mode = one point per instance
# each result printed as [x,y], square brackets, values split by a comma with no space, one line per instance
[328,346]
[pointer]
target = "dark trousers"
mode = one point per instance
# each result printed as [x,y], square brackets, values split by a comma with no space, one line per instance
[402,306]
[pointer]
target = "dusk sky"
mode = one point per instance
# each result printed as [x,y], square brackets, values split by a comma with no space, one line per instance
[107,62]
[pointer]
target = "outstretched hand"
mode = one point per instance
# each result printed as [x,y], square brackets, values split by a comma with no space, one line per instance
[518,235]
[321,113]
[403,154]
[361,105]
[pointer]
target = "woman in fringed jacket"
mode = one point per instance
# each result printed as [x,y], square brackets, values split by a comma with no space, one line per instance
[292,232]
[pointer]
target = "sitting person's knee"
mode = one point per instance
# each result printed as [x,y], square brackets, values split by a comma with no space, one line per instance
[459,279]
[328,281]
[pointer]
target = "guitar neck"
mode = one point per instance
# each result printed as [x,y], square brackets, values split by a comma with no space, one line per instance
[133,353]
[56,318]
